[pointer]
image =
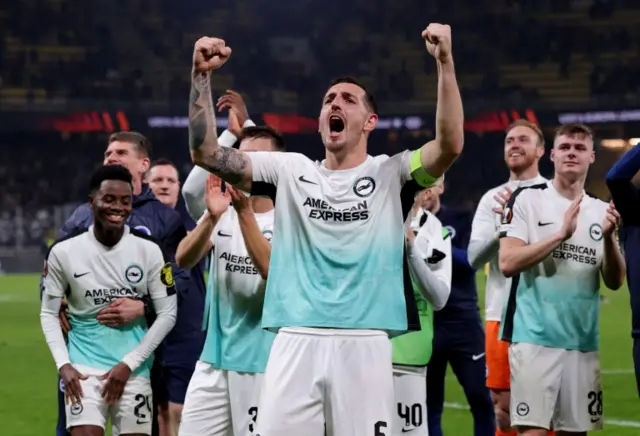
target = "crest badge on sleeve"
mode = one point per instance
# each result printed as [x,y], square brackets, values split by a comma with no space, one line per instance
[166,275]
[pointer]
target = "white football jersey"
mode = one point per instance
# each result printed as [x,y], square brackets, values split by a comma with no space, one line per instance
[486,224]
[91,276]
[236,340]
[555,303]
[338,258]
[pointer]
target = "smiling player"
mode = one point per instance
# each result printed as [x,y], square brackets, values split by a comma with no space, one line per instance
[106,369]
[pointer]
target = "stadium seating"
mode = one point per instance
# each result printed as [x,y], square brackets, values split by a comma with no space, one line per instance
[561,53]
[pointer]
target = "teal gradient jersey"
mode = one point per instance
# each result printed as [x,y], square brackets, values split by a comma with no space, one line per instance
[235,338]
[91,276]
[338,257]
[555,303]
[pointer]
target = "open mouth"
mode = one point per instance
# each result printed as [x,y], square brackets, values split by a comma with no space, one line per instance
[115,218]
[336,124]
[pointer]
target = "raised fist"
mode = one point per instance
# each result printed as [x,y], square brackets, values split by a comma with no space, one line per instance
[209,54]
[437,38]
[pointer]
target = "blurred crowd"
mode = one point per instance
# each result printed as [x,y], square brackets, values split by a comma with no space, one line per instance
[139,51]
[555,52]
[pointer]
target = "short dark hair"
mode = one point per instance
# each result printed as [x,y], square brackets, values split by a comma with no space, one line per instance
[109,172]
[575,129]
[368,97]
[266,132]
[530,125]
[162,162]
[139,141]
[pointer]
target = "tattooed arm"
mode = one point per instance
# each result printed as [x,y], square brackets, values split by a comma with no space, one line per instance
[229,164]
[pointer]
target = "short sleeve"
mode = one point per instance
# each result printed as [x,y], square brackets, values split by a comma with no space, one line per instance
[160,281]
[266,166]
[514,217]
[54,280]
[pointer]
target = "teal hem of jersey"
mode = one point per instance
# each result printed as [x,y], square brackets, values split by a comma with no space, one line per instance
[230,367]
[556,346]
[392,332]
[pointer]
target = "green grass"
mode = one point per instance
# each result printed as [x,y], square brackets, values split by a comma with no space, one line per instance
[28,380]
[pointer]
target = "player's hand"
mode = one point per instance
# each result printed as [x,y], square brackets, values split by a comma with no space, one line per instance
[116,380]
[570,221]
[238,114]
[437,38]
[241,202]
[72,387]
[502,198]
[217,202]
[611,221]
[121,312]
[64,321]
[209,54]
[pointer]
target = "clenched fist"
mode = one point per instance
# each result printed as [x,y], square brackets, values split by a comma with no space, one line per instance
[209,54]
[437,38]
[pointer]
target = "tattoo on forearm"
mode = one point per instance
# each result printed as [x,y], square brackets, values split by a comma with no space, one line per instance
[200,112]
[228,163]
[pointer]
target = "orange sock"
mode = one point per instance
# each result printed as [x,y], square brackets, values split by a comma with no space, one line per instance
[506,433]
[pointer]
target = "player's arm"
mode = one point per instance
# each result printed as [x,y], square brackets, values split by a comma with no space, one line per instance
[163,297]
[194,187]
[516,253]
[429,256]
[197,243]
[623,192]
[613,268]
[53,286]
[484,241]
[258,246]
[229,164]
[436,156]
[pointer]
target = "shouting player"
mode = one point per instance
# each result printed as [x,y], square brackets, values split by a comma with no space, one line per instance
[429,257]
[627,200]
[523,148]
[556,242]
[224,392]
[337,270]
[105,369]
[458,338]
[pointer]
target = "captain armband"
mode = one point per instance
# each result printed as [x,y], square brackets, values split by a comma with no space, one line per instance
[419,174]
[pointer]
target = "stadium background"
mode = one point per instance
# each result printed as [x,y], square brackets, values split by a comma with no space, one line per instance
[72,72]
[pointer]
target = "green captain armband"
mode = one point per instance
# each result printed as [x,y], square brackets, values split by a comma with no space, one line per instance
[418,173]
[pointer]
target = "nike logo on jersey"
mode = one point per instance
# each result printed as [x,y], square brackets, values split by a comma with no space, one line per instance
[477,356]
[302,179]
[541,224]
[406,430]
[223,234]
[76,275]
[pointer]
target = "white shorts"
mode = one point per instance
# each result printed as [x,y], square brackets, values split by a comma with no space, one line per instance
[411,401]
[220,401]
[131,415]
[555,389]
[341,377]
